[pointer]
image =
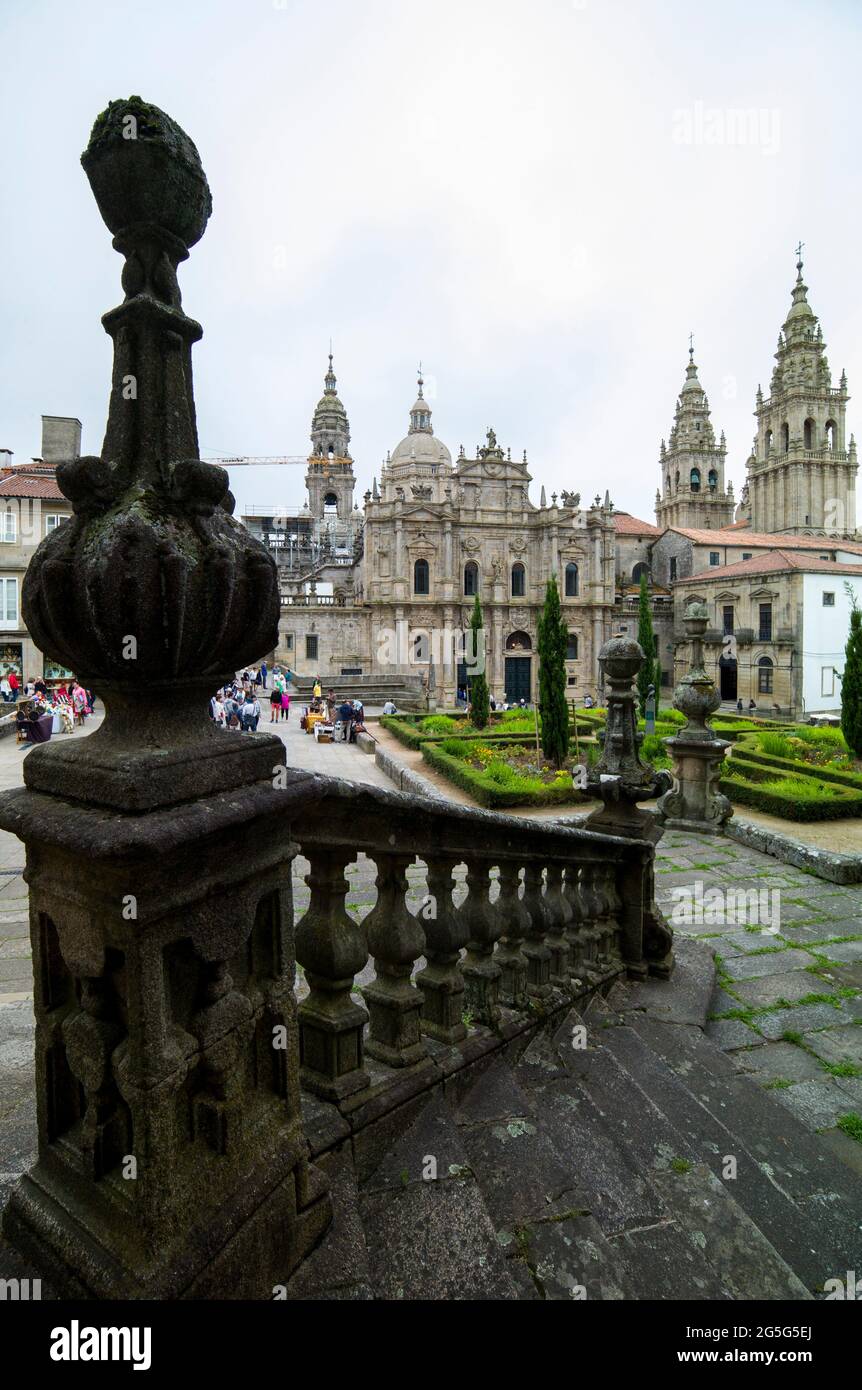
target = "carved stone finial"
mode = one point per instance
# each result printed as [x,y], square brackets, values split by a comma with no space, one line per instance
[152,593]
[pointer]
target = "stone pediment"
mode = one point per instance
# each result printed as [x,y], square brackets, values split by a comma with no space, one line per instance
[420,513]
[494,470]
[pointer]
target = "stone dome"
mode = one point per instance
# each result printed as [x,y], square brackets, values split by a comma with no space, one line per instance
[420,445]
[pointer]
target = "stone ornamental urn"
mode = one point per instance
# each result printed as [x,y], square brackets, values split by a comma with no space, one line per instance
[620,780]
[695,803]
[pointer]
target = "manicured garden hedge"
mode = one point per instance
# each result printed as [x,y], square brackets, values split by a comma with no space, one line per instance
[489,793]
[748,751]
[793,798]
[411,735]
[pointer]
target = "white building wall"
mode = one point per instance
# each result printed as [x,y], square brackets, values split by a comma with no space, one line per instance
[824,637]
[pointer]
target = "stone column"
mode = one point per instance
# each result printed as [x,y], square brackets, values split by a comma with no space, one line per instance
[172,1161]
[695,802]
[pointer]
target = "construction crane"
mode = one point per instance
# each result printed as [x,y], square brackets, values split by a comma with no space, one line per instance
[246,460]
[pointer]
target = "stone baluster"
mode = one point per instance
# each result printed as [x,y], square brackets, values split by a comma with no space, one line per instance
[480,969]
[590,932]
[610,920]
[446,932]
[331,948]
[516,923]
[559,916]
[396,940]
[537,953]
[577,922]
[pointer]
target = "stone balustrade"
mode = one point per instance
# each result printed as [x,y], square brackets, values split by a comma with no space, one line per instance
[515,914]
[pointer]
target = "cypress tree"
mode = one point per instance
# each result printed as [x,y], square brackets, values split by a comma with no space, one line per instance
[649,674]
[480,700]
[553,706]
[851,683]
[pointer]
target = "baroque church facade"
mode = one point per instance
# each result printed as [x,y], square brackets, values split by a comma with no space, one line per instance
[435,533]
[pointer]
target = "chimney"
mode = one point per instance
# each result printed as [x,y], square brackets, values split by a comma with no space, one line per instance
[61,438]
[5,462]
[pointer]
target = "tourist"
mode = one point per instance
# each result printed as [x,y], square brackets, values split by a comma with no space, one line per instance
[219,716]
[389,707]
[318,688]
[39,687]
[278,681]
[250,713]
[263,674]
[588,702]
[739,705]
[492,703]
[346,714]
[752,707]
[285,706]
[30,687]
[5,689]
[14,683]
[274,705]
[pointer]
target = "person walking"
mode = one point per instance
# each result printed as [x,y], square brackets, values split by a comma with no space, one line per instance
[264,671]
[14,684]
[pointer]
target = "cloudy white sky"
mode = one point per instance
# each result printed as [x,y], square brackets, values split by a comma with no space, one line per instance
[538,199]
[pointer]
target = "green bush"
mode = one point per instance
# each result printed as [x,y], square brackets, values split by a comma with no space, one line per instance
[438,724]
[748,751]
[654,751]
[818,738]
[774,744]
[497,789]
[792,798]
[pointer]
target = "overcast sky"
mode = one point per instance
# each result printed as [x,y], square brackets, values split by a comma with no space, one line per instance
[538,199]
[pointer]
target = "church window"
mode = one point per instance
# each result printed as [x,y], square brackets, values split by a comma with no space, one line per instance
[785,438]
[571,580]
[672,568]
[471,579]
[831,435]
[713,480]
[518,581]
[764,676]
[311,646]
[765,629]
[676,481]
[768,442]
[809,433]
[695,480]
[727,619]
[572,647]
[639,569]
[421,577]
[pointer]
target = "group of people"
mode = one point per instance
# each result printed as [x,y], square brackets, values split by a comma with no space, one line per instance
[237,705]
[69,702]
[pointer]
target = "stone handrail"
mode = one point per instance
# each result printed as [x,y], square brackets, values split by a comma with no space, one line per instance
[575,921]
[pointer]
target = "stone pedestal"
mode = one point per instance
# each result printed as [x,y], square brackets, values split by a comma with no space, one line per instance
[695,803]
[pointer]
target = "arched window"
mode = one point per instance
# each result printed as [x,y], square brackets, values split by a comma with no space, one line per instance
[471,578]
[694,479]
[764,676]
[713,480]
[639,569]
[571,580]
[810,433]
[768,443]
[421,577]
[330,504]
[676,482]
[519,583]
[831,434]
[667,484]
[572,647]
[785,438]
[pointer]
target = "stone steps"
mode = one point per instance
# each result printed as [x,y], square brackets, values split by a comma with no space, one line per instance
[604,1168]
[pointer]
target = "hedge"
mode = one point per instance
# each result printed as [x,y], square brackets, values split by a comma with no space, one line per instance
[412,736]
[488,793]
[750,753]
[791,805]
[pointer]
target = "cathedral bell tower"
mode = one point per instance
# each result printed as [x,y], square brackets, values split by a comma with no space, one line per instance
[330,479]
[802,473]
[693,492]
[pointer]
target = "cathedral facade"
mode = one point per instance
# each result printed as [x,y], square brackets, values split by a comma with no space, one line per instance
[436,534]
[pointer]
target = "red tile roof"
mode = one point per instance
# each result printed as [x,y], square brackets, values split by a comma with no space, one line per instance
[774,562]
[628,525]
[737,525]
[28,486]
[766,542]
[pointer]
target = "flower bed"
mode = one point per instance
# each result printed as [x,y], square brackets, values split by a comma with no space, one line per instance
[435,728]
[796,798]
[498,775]
[820,754]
